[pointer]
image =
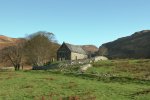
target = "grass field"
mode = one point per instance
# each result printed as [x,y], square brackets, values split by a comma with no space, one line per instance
[107,80]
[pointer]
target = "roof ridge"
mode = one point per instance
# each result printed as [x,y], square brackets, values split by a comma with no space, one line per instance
[75,48]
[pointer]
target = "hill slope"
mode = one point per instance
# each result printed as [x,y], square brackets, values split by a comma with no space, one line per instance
[90,48]
[134,46]
[7,41]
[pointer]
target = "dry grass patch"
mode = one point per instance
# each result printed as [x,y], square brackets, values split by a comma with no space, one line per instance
[48,78]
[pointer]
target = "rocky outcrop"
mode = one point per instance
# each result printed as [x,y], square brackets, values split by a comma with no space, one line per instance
[99,58]
[83,68]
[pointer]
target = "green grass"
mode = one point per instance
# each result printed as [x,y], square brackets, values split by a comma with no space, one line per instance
[123,68]
[50,85]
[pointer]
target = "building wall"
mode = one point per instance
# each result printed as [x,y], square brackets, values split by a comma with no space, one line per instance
[63,53]
[75,56]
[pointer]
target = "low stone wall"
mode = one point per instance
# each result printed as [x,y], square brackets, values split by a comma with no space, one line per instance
[67,63]
[51,66]
[39,68]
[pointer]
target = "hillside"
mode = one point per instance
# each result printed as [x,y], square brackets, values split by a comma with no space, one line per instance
[7,41]
[134,46]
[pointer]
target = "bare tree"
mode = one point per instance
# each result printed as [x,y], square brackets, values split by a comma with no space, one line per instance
[40,47]
[13,55]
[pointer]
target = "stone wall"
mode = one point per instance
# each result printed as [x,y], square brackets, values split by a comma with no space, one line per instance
[76,56]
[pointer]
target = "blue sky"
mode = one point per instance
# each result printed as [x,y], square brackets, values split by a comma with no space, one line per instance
[75,21]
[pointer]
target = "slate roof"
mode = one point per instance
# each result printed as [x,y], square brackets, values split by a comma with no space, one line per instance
[75,48]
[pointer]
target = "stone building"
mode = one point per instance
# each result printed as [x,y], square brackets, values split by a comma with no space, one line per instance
[71,52]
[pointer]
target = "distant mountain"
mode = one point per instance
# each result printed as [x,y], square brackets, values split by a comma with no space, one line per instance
[7,41]
[90,48]
[134,46]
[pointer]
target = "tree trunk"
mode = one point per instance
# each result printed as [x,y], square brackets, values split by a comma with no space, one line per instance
[17,67]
